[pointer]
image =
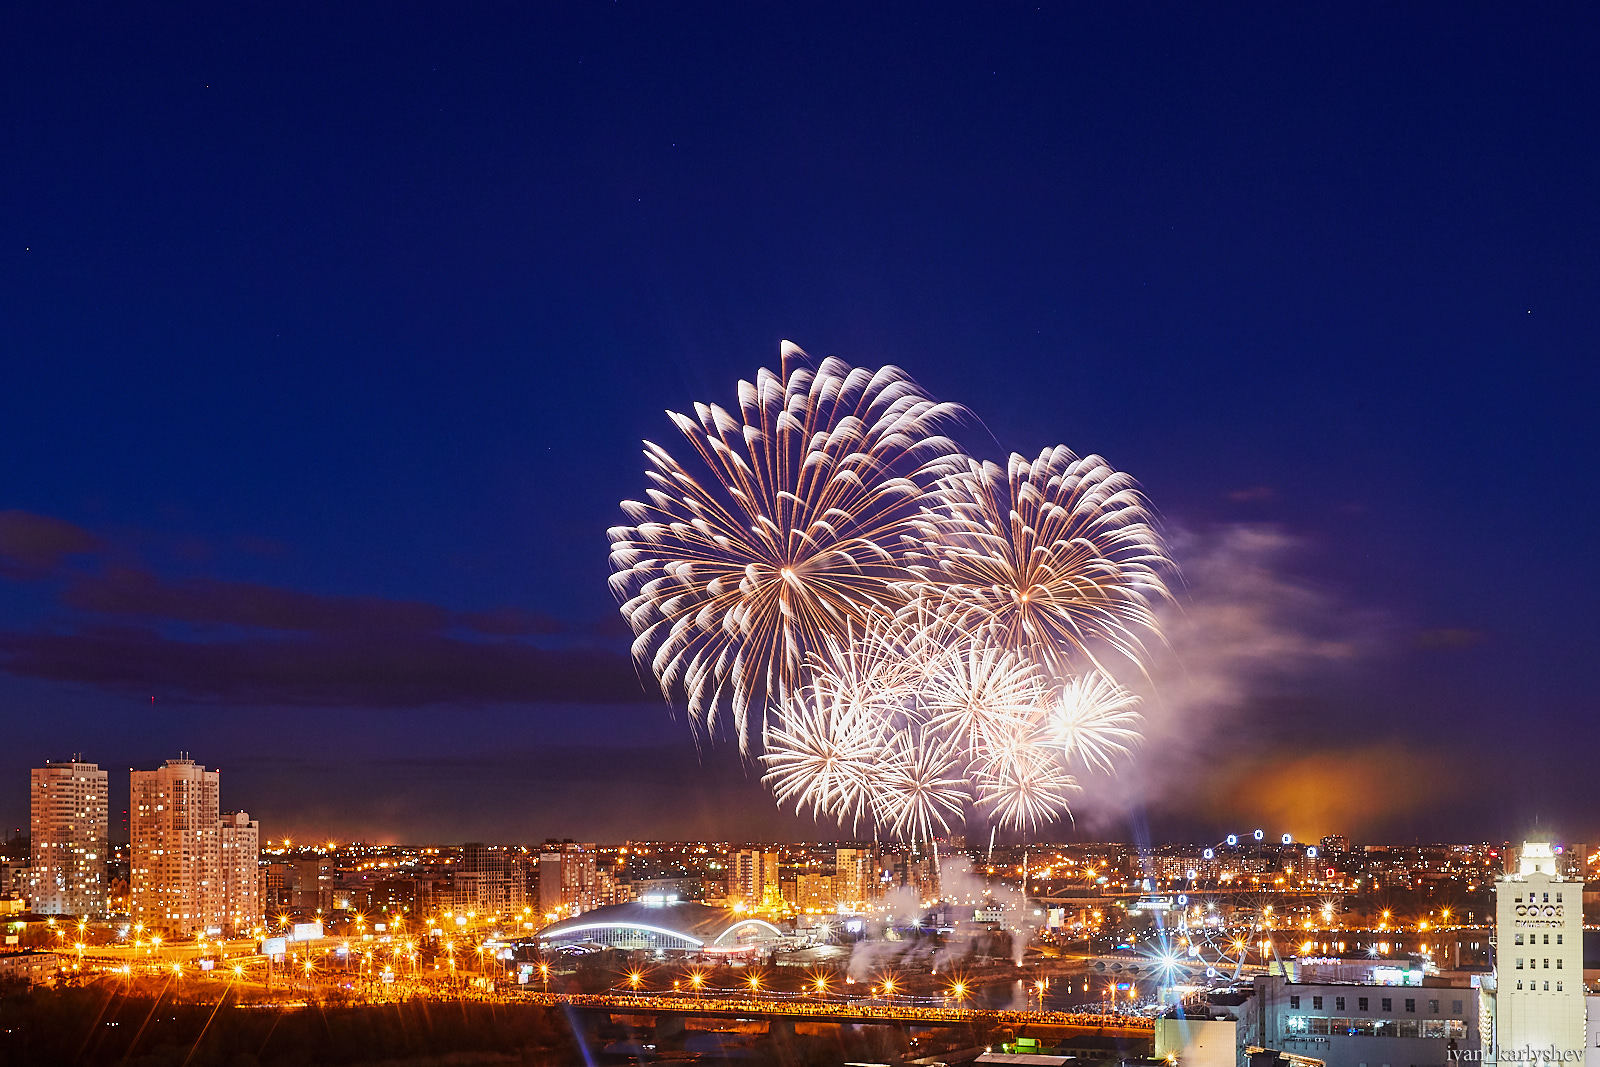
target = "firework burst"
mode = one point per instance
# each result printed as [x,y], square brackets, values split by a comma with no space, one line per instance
[1020,783]
[903,633]
[1096,721]
[785,530]
[1054,556]
[824,752]
[979,691]
[921,786]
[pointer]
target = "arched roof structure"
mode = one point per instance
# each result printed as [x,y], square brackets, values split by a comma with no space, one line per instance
[679,925]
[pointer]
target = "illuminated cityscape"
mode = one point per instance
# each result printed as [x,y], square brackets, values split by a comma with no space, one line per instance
[828,535]
[1322,951]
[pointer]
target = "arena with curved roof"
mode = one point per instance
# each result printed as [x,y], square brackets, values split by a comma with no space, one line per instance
[670,926]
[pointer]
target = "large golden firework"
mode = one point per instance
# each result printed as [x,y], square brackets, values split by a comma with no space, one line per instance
[785,530]
[1056,558]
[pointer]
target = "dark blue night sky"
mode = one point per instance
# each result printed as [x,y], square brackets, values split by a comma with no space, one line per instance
[329,336]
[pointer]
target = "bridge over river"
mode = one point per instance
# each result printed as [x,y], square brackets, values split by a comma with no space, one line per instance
[885,1012]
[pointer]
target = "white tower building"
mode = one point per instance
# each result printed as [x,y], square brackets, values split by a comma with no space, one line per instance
[1539,1002]
[67,872]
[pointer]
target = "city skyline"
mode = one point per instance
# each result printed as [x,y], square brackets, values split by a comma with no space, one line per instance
[331,355]
[115,826]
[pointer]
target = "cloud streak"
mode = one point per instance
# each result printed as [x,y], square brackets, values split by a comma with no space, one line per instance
[32,545]
[204,639]
[371,670]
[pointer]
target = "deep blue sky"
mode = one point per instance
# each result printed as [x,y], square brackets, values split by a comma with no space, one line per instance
[329,337]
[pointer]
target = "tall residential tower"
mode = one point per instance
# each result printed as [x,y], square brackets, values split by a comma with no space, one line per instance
[67,857]
[239,852]
[175,873]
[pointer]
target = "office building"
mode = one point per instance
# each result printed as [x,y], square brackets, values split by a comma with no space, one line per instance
[67,866]
[1380,1020]
[854,877]
[487,879]
[814,893]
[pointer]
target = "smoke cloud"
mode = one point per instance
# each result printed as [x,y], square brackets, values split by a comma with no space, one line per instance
[1247,639]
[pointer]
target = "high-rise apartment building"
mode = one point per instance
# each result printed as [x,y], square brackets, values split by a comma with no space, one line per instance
[854,881]
[175,873]
[569,879]
[1538,1002]
[814,893]
[752,876]
[488,879]
[239,856]
[67,871]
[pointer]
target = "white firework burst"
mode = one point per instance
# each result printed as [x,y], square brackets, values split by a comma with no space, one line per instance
[785,530]
[1096,721]
[920,786]
[1019,782]
[979,692]
[824,751]
[1055,555]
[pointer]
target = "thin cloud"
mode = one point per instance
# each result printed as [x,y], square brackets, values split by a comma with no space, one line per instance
[325,670]
[34,544]
[1451,637]
[214,602]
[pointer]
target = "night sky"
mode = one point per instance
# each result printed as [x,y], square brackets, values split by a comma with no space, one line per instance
[330,335]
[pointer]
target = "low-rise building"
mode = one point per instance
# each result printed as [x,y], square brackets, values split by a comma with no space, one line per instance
[1335,1022]
[31,967]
